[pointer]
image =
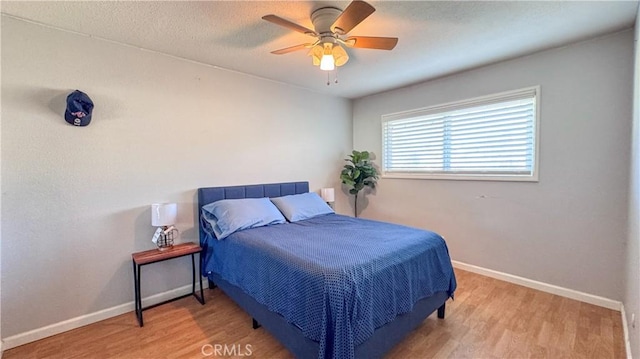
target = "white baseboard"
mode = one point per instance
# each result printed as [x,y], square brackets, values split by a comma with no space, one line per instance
[625,328]
[549,288]
[77,322]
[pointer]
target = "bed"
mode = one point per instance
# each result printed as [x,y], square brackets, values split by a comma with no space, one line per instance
[322,301]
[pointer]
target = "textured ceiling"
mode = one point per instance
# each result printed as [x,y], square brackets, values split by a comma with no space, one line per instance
[436,38]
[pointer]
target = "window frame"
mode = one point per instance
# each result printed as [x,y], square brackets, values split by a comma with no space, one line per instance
[460,105]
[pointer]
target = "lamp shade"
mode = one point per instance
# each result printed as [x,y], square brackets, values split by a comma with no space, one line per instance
[327,194]
[340,55]
[316,54]
[327,62]
[163,214]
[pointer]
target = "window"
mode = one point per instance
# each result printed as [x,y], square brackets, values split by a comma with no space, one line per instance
[488,138]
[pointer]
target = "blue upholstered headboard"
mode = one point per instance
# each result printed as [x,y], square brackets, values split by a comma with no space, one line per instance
[212,194]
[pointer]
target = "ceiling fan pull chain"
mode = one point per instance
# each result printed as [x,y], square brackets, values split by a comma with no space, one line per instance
[336,78]
[328,79]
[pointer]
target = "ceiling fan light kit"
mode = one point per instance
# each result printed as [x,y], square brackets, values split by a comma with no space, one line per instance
[330,25]
[328,56]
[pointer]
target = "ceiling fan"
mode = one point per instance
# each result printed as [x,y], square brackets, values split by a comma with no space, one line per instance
[331,26]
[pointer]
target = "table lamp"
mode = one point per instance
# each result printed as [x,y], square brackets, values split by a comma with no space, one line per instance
[164,215]
[328,195]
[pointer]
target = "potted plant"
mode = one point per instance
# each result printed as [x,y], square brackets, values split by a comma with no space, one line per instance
[358,173]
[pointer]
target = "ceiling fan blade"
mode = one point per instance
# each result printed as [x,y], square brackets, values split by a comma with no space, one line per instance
[354,14]
[289,25]
[287,50]
[367,42]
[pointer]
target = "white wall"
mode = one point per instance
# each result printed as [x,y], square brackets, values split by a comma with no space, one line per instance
[1,343]
[76,201]
[631,298]
[569,229]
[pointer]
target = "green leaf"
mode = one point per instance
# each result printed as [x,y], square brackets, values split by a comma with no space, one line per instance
[348,182]
[353,191]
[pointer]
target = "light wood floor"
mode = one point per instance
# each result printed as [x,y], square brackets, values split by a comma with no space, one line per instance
[488,319]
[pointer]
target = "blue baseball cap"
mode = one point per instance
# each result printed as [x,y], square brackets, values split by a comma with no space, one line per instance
[79,108]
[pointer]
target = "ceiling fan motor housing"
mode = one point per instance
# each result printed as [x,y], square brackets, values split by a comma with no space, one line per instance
[322,20]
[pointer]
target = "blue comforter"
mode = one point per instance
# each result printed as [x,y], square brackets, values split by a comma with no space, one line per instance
[337,278]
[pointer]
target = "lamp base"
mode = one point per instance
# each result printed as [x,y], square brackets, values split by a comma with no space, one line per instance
[165,241]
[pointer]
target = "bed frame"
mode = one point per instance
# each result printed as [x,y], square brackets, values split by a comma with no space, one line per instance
[382,340]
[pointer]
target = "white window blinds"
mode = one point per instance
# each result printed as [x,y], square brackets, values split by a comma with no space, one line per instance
[491,137]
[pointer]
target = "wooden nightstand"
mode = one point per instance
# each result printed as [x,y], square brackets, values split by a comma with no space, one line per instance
[153,256]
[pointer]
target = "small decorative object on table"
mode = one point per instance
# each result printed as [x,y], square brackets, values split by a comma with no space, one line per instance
[164,215]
